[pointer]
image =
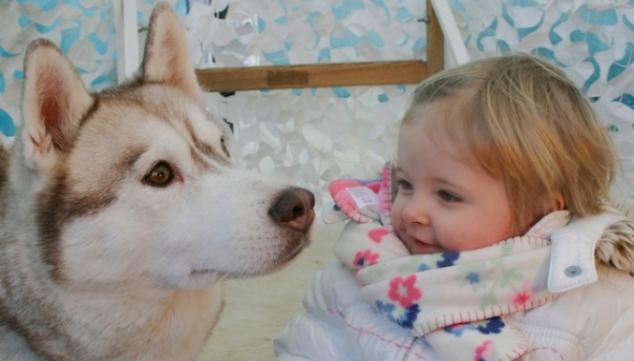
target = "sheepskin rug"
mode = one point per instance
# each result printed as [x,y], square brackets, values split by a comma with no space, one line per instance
[256,310]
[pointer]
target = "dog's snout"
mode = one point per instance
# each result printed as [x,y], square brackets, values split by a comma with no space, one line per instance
[293,208]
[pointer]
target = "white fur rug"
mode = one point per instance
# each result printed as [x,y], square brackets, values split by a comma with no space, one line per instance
[256,310]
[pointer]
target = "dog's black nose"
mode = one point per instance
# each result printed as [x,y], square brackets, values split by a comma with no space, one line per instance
[293,208]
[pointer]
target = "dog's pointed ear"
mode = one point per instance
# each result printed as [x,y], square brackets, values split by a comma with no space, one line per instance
[53,104]
[166,59]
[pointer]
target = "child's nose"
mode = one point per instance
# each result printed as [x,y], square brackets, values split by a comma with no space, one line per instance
[415,212]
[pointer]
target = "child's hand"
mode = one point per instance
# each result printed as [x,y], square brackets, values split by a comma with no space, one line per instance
[357,201]
[363,201]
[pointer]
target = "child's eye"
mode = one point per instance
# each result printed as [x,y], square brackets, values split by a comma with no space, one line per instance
[404,185]
[448,196]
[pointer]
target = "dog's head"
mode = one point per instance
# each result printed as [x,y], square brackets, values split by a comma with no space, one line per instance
[136,185]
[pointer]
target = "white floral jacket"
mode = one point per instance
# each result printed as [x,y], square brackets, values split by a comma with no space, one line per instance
[593,320]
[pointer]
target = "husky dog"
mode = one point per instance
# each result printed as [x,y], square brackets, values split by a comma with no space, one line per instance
[121,211]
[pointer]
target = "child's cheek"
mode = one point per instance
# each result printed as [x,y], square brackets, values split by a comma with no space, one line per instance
[395,215]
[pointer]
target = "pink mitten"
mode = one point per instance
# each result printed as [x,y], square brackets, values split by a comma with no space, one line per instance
[356,200]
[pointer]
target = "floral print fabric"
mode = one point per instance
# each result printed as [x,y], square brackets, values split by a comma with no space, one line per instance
[462,302]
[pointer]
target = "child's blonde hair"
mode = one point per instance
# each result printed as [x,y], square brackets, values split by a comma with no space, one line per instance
[526,123]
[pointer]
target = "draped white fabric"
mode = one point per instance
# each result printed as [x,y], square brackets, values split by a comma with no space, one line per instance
[311,136]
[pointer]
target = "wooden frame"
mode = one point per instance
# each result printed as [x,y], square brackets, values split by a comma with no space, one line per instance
[331,75]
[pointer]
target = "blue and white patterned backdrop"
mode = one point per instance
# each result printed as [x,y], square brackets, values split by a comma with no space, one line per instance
[592,40]
[313,135]
[84,30]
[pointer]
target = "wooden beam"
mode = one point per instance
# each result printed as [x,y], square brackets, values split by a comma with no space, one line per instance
[450,32]
[331,75]
[312,75]
[435,42]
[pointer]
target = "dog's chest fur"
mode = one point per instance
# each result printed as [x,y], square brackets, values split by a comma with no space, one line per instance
[176,329]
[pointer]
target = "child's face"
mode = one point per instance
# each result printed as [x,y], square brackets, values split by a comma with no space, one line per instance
[444,203]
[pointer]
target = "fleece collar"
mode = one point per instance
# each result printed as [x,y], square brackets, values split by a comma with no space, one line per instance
[572,255]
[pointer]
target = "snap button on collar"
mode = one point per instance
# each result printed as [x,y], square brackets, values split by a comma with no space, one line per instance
[572,271]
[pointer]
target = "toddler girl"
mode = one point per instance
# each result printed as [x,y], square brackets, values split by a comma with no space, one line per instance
[502,244]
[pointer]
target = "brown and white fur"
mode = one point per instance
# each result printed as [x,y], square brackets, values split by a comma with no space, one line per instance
[121,211]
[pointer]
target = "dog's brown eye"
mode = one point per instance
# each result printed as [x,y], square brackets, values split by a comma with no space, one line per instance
[161,175]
